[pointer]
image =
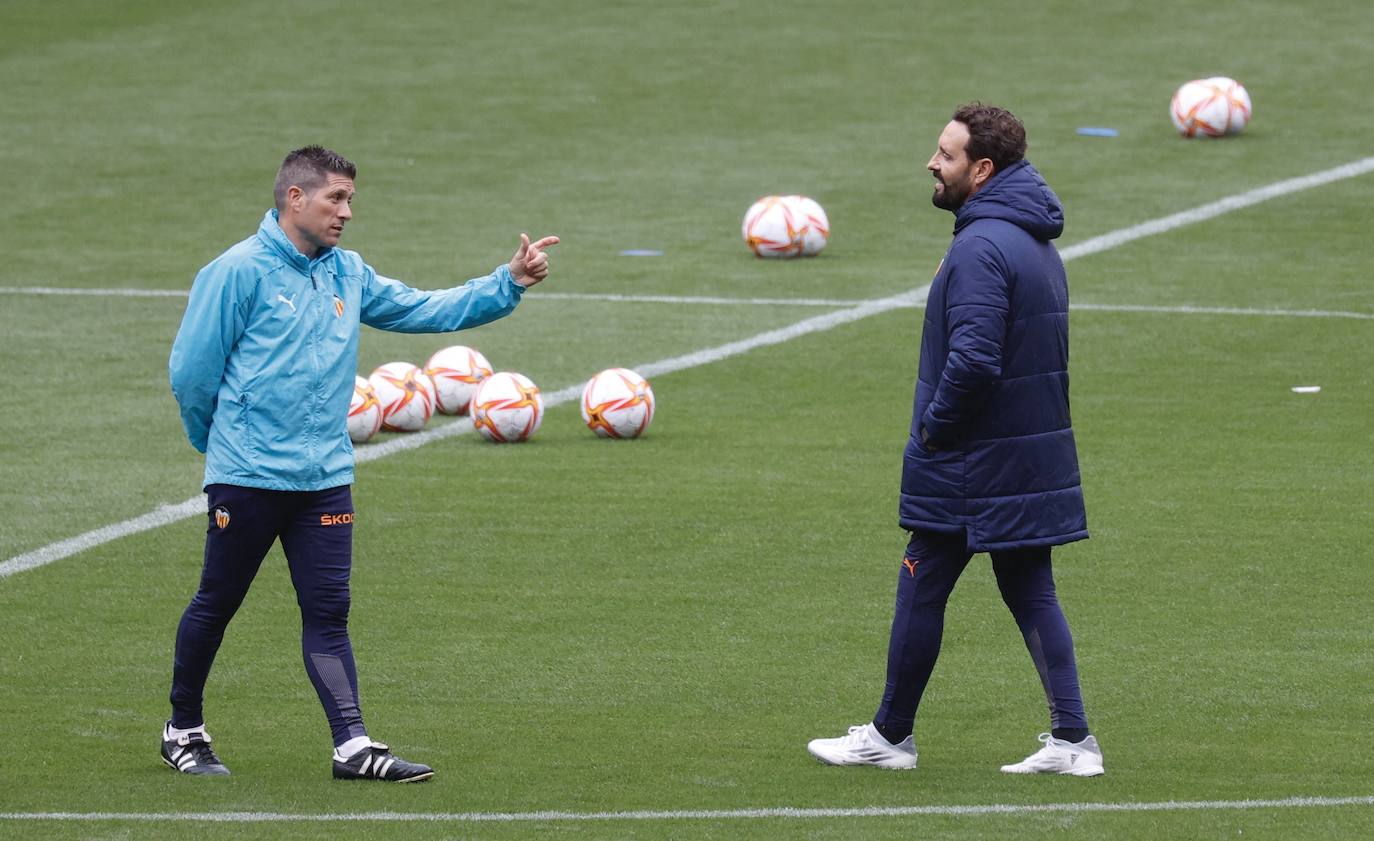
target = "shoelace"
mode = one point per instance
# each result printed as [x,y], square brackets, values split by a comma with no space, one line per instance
[1046,749]
[201,750]
[856,736]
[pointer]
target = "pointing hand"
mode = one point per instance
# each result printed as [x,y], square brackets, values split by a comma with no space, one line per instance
[530,264]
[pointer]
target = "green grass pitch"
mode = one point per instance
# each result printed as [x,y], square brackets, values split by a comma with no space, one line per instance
[575,625]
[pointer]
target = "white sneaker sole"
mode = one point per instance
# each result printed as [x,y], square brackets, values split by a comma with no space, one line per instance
[887,764]
[1084,772]
[1073,772]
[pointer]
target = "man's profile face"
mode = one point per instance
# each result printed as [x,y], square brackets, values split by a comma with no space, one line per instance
[952,168]
[320,215]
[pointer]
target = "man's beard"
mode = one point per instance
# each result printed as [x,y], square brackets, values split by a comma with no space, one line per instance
[951,198]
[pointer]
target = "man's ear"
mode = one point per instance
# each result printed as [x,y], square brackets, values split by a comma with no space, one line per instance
[295,195]
[982,171]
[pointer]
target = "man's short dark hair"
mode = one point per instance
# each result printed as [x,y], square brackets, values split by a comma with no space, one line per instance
[993,133]
[307,168]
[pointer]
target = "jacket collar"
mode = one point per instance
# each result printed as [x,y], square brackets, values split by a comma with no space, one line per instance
[270,232]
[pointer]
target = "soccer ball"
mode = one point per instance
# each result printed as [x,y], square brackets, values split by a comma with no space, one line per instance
[771,228]
[364,412]
[1210,107]
[812,222]
[617,403]
[506,407]
[456,372]
[406,394]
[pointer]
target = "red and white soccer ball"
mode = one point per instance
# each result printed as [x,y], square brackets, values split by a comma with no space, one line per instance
[617,403]
[812,222]
[786,226]
[456,372]
[364,412]
[772,229]
[506,407]
[1210,107]
[406,394]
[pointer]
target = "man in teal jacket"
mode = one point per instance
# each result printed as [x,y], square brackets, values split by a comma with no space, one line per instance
[263,370]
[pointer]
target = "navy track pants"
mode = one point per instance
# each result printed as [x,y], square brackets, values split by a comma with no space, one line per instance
[316,533]
[930,568]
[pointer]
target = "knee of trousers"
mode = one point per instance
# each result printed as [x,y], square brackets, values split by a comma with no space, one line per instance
[213,609]
[1033,607]
[326,612]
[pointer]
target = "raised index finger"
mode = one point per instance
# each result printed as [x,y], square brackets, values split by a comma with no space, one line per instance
[546,241]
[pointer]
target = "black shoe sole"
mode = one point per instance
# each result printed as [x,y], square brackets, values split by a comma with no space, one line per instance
[172,765]
[418,778]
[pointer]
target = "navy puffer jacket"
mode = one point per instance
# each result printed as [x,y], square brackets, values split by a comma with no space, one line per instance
[998,459]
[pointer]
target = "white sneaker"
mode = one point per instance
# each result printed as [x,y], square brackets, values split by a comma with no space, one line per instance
[864,746]
[1080,759]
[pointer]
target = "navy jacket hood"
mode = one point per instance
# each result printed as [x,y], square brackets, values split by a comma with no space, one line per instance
[1019,195]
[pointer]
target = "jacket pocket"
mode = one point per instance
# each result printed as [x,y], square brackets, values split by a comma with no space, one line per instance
[246,428]
[932,474]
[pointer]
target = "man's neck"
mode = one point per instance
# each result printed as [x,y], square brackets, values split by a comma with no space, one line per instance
[303,245]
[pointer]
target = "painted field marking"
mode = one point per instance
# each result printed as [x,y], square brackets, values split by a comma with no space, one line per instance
[612,297]
[1187,309]
[785,813]
[163,515]
[714,300]
[1214,209]
[171,513]
[537,295]
[647,369]
[115,292]
[168,514]
[1097,244]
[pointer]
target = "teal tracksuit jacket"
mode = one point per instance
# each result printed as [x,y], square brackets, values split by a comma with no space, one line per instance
[264,362]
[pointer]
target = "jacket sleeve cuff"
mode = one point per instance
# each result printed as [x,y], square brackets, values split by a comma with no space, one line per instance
[508,281]
[932,435]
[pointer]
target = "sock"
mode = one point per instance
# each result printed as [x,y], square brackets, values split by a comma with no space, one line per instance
[1070,734]
[171,733]
[348,749]
[894,735]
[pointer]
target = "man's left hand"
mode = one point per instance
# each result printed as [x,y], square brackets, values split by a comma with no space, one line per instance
[530,264]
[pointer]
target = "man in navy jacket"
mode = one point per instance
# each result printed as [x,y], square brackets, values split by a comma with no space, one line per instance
[991,464]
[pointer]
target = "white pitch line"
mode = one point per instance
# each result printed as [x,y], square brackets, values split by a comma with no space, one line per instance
[1095,245]
[95,292]
[1186,309]
[570,393]
[787,813]
[160,516]
[65,548]
[1217,208]
[815,324]
[694,299]
[537,295]
[709,300]
[195,505]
